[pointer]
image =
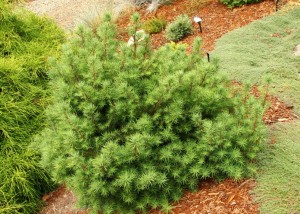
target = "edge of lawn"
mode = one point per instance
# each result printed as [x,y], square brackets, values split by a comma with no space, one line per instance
[259,51]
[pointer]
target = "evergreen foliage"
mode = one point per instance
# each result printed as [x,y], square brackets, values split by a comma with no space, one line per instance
[25,43]
[131,128]
[179,28]
[154,25]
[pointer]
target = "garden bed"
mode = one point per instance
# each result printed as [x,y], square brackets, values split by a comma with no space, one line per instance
[217,18]
[228,196]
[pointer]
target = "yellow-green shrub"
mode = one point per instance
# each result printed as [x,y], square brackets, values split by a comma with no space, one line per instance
[26,42]
[154,25]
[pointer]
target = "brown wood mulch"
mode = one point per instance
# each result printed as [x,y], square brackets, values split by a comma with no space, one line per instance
[228,196]
[278,111]
[217,19]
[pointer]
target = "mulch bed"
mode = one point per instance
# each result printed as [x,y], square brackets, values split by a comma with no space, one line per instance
[278,111]
[217,18]
[227,196]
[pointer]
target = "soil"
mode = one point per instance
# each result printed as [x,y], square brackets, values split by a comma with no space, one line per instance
[61,201]
[217,19]
[228,196]
[277,110]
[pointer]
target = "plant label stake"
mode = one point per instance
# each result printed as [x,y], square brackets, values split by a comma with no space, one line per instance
[208,57]
[198,20]
[276,4]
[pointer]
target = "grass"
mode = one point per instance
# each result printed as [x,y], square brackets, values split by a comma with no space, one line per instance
[26,41]
[264,50]
[278,188]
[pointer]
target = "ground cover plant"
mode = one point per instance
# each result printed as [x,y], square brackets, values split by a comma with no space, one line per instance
[25,43]
[278,188]
[131,128]
[237,3]
[271,56]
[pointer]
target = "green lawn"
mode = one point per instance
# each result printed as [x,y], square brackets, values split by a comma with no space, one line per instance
[279,180]
[264,50]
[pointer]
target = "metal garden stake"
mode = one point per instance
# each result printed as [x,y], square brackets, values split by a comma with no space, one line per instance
[208,57]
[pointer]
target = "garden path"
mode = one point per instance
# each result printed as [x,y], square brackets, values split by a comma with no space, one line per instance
[71,13]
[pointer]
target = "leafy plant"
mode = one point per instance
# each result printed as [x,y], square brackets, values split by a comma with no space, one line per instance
[131,128]
[154,25]
[25,43]
[179,28]
[237,3]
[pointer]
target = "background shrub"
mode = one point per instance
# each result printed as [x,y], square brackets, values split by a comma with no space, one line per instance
[154,25]
[142,2]
[237,3]
[130,129]
[179,28]
[25,43]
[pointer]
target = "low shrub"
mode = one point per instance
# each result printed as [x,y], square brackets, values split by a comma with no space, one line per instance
[179,28]
[131,128]
[142,2]
[154,25]
[237,3]
[25,43]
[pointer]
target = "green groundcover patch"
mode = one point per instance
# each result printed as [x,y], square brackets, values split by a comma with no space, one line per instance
[264,49]
[259,51]
[278,188]
[26,41]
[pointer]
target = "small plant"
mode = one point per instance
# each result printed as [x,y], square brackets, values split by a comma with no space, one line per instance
[237,3]
[179,28]
[155,25]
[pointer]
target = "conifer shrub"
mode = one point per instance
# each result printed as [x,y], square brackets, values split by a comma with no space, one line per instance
[154,25]
[26,42]
[131,128]
[179,28]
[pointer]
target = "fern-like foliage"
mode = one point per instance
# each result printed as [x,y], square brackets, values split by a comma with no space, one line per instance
[25,43]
